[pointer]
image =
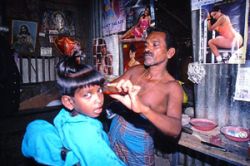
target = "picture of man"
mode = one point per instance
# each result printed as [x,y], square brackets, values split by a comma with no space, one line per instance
[24,36]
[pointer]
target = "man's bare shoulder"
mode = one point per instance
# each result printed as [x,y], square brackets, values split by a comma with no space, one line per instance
[134,70]
[173,86]
[172,90]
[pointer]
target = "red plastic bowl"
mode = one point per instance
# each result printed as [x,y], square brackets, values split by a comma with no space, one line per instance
[203,124]
[236,133]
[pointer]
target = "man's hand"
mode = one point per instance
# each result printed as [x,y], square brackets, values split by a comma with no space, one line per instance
[130,98]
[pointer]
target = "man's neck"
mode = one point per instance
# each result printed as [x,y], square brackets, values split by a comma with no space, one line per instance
[157,72]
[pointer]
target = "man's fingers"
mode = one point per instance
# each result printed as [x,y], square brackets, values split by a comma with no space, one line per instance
[134,90]
[112,84]
[119,85]
[116,96]
[126,86]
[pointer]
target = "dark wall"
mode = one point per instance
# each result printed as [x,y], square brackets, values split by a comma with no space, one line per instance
[32,10]
[175,17]
[12,129]
[12,126]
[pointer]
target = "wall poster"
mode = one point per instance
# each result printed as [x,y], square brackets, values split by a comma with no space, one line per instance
[223,32]
[248,40]
[106,55]
[132,54]
[242,88]
[140,15]
[23,38]
[56,22]
[127,16]
[114,19]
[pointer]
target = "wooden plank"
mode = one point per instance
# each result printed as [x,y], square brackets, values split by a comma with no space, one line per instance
[40,100]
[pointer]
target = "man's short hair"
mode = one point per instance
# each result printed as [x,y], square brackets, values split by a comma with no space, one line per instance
[170,42]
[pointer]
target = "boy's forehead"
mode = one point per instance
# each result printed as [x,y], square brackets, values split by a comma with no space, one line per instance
[89,87]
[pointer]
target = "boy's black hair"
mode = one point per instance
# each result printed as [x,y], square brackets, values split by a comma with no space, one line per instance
[72,75]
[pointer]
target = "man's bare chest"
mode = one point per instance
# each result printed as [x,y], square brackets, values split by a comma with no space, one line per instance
[153,96]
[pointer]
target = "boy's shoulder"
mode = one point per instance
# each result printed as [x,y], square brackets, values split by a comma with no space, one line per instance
[85,121]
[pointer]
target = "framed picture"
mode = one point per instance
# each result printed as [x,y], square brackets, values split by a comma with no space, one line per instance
[106,55]
[132,53]
[23,38]
[57,22]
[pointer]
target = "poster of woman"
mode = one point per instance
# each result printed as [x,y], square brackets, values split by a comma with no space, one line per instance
[132,54]
[139,16]
[140,28]
[224,32]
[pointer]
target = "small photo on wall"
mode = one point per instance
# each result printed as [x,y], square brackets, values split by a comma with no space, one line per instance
[23,38]
[106,55]
[132,54]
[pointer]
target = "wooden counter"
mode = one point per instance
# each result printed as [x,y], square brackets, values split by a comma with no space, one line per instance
[40,101]
[192,142]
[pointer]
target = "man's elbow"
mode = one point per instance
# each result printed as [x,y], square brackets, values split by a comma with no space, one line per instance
[175,131]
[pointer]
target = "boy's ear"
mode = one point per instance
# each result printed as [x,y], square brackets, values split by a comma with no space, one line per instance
[67,102]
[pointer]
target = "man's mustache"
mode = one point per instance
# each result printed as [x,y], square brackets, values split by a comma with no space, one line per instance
[147,53]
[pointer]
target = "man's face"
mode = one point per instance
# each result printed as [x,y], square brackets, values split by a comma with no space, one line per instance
[155,49]
[24,30]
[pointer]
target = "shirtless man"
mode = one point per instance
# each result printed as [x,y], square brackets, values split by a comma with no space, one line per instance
[228,37]
[154,100]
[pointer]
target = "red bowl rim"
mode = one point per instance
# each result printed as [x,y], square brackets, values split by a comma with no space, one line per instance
[233,138]
[210,124]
